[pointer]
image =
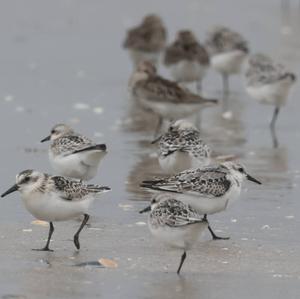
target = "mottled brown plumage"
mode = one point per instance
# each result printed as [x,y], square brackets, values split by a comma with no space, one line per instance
[149,36]
[186,47]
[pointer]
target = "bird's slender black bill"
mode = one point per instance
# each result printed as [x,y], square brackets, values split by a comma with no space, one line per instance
[252,179]
[46,139]
[147,209]
[10,190]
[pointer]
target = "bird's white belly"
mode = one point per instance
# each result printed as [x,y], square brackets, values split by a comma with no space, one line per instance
[49,207]
[179,161]
[187,71]
[139,56]
[210,205]
[82,166]
[179,237]
[229,62]
[270,94]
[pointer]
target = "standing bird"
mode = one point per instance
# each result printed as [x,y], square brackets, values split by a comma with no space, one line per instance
[175,223]
[147,40]
[74,155]
[55,198]
[269,83]
[208,190]
[187,59]
[165,98]
[228,50]
[181,148]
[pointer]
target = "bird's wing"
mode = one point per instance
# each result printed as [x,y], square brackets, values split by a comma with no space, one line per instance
[175,213]
[263,70]
[158,89]
[69,144]
[208,182]
[74,190]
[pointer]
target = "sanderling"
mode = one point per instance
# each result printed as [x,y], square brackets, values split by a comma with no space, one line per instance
[182,148]
[165,98]
[209,190]
[269,83]
[74,155]
[55,198]
[147,40]
[227,50]
[187,59]
[175,223]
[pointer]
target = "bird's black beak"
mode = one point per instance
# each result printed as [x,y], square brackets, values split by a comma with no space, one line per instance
[10,190]
[147,209]
[46,139]
[252,179]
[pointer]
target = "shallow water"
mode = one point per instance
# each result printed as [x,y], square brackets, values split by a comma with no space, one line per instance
[62,61]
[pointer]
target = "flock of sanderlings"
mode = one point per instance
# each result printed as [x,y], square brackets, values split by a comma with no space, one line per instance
[194,186]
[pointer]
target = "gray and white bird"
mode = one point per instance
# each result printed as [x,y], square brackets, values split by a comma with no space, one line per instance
[72,154]
[175,223]
[55,198]
[147,40]
[227,50]
[187,59]
[208,190]
[269,83]
[164,97]
[181,148]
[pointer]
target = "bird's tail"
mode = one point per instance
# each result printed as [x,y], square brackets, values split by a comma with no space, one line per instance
[97,147]
[98,189]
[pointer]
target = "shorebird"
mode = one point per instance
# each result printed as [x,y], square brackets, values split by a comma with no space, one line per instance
[55,198]
[228,50]
[175,223]
[269,83]
[187,59]
[72,154]
[165,98]
[147,40]
[208,190]
[181,148]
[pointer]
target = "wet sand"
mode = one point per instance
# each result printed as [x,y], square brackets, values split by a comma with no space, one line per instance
[62,61]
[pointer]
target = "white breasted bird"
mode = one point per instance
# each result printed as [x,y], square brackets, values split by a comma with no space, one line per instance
[147,40]
[228,50]
[187,59]
[164,97]
[175,223]
[269,83]
[181,148]
[72,154]
[208,190]
[55,198]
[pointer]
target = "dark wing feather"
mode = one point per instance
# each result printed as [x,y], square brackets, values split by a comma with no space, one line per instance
[74,190]
[209,181]
[68,144]
[174,213]
[158,89]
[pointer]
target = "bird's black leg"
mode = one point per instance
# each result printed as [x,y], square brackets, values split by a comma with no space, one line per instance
[46,248]
[76,236]
[181,262]
[199,86]
[214,236]
[225,92]
[272,127]
[158,128]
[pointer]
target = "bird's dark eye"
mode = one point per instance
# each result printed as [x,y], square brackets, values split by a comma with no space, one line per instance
[26,180]
[241,169]
[52,132]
